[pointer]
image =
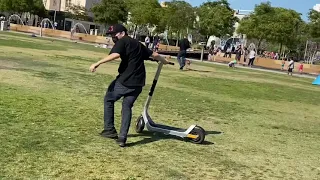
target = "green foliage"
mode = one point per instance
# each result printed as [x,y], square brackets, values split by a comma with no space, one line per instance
[274,24]
[216,18]
[35,7]
[178,15]
[144,12]
[17,6]
[110,11]
[314,25]
[285,26]
[38,8]
[256,26]
[78,12]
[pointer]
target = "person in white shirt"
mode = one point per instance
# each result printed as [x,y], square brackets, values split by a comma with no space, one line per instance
[290,66]
[147,41]
[55,25]
[252,56]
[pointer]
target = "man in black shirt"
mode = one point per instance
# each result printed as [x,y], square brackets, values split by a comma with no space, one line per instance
[184,45]
[128,84]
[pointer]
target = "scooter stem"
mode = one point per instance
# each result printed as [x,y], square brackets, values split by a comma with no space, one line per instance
[154,84]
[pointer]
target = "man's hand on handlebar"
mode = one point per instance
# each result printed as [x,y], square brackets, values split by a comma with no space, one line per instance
[166,61]
[157,57]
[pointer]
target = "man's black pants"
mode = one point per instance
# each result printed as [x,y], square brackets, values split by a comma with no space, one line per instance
[115,91]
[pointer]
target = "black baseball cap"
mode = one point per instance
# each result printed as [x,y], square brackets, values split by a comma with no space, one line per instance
[116,29]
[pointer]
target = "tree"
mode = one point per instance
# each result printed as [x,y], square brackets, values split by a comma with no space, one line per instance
[286,27]
[110,11]
[21,6]
[78,12]
[216,18]
[314,25]
[257,25]
[35,7]
[313,32]
[143,12]
[4,5]
[273,24]
[38,8]
[178,15]
[15,6]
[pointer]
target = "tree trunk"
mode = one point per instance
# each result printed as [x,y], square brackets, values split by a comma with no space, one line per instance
[259,44]
[280,48]
[135,31]
[178,34]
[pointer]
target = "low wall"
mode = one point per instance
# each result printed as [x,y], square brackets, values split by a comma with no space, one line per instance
[273,64]
[61,34]
[163,47]
[75,36]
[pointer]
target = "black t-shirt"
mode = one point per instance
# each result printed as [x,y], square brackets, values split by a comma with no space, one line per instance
[132,71]
[184,44]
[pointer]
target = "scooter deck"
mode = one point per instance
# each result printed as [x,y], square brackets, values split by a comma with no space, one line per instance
[166,127]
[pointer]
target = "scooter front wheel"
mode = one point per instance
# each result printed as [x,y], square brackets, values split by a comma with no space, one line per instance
[139,124]
[197,135]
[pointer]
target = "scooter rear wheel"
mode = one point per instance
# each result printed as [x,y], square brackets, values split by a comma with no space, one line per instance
[139,124]
[200,132]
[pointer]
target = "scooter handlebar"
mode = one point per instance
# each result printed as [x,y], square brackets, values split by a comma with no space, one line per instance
[151,59]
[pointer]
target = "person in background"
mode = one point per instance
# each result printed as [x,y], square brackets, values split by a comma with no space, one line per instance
[246,53]
[301,67]
[182,55]
[225,49]
[55,25]
[155,42]
[290,66]
[157,46]
[252,56]
[238,53]
[229,52]
[232,63]
[283,62]
[147,41]
[212,51]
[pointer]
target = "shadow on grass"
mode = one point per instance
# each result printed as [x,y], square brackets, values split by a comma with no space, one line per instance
[196,70]
[155,136]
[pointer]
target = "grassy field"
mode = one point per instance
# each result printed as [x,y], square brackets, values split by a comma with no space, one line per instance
[260,125]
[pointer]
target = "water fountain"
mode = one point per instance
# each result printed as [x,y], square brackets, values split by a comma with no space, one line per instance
[15,15]
[48,20]
[81,25]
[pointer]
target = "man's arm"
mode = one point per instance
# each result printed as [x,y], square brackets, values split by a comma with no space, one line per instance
[110,57]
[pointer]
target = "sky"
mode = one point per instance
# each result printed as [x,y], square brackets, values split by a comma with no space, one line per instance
[301,6]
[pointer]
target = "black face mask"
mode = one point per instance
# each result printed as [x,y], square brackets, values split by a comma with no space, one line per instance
[115,39]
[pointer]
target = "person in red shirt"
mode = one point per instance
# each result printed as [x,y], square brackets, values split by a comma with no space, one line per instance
[301,67]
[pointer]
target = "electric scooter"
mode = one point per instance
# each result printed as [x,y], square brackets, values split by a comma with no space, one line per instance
[194,133]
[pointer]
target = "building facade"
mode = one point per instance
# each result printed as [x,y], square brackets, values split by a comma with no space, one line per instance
[62,5]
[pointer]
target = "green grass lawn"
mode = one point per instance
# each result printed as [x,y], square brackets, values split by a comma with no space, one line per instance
[260,125]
